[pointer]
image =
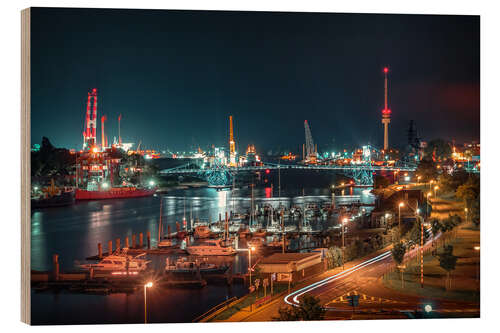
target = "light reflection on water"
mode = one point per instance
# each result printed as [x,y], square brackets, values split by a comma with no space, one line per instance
[73,232]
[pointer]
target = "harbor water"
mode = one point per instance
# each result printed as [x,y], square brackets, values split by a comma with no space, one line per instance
[74,231]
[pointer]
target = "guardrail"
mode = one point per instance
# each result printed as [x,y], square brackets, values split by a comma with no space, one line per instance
[216,308]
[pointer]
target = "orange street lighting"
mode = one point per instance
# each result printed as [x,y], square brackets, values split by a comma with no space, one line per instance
[147,285]
[401,204]
[250,263]
[344,221]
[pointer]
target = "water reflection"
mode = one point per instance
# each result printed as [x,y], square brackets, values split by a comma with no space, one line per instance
[73,232]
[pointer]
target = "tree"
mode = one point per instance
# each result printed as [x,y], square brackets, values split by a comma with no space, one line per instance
[439,149]
[359,248]
[309,309]
[398,254]
[51,163]
[474,211]
[447,261]
[450,183]
[436,228]
[415,232]
[380,182]
[427,170]
[469,191]
[334,257]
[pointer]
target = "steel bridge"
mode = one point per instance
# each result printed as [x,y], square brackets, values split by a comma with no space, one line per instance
[221,175]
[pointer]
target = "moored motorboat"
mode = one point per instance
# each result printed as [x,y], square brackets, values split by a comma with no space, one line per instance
[185,267]
[211,247]
[202,231]
[119,263]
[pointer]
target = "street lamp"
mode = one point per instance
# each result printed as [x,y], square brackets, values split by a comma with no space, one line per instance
[466,215]
[428,195]
[401,204]
[250,262]
[147,285]
[428,308]
[344,221]
[435,189]
[418,179]
[477,248]
[333,197]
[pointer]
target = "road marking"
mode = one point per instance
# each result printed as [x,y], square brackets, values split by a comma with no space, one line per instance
[296,294]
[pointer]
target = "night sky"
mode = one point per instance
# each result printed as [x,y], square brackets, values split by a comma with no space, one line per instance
[176,76]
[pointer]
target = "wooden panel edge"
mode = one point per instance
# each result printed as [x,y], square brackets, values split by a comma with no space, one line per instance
[25,166]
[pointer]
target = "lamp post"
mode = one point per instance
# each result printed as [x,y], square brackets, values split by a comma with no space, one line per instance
[435,191]
[147,285]
[421,250]
[250,262]
[401,204]
[418,179]
[466,214]
[333,197]
[477,248]
[344,221]
[428,195]
[430,184]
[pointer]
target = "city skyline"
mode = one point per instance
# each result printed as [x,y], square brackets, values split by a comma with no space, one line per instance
[270,71]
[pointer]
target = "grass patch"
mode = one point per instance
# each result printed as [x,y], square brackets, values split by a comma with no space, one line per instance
[412,286]
[464,278]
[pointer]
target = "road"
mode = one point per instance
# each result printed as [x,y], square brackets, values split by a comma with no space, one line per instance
[364,278]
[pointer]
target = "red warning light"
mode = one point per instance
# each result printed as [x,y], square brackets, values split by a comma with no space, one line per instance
[386,70]
[268,171]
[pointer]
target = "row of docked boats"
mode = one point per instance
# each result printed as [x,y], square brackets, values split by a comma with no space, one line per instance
[124,264]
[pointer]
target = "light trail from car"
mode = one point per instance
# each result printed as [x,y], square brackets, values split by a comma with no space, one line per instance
[296,294]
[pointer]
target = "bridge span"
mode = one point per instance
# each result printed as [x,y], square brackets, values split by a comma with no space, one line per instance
[222,175]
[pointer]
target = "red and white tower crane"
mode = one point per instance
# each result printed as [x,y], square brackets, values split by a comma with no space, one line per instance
[386,113]
[89,136]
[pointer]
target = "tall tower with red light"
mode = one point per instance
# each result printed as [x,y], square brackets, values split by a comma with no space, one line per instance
[386,113]
[232,144]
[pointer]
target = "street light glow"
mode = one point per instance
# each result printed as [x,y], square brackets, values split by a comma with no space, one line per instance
[149,284]
[401,204]
[252,248]
[428,308]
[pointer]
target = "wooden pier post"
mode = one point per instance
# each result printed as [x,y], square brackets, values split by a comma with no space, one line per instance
[126,242]
[118,245]
[134,244]
[91,273]
[148,235]
[55,265]
[141,240]
[99,250]
[110,248]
